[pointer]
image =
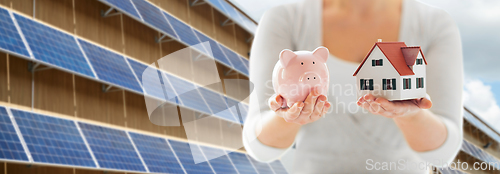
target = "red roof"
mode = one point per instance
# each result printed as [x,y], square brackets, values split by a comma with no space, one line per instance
[398,54]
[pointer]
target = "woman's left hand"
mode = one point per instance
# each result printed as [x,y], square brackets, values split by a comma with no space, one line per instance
[393,109]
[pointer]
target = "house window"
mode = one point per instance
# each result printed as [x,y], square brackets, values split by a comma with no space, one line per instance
[420,82]
[407,83]
[366,84]
[377,62]
[389,84]
[419,61]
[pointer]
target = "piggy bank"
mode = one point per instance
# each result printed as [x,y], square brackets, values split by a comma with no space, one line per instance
[296,74]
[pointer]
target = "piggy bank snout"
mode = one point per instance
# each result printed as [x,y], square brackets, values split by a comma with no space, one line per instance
[310,78]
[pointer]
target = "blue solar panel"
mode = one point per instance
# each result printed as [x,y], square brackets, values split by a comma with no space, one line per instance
[186,156]
[188,94]
[124,6]
[241,163]
[152,81]
[217,104]
[10,144]
[246,63]
[152,15]
[260,166]
[218,160]
[449,170]
[53,140]
[110,67]
[156,154]
[53,46]
[231,12]
[278,168]
[216,51]
[235,60]
[216,4]
[184,31]
[10,39]
[233,106]
[112,148]
[478,124]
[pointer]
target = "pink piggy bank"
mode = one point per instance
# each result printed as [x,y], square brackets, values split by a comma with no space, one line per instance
[296,74]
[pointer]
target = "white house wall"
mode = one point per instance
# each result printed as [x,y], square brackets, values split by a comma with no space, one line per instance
[377,73]
[419,71]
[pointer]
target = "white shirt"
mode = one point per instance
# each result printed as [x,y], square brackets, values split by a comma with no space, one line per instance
[348,138]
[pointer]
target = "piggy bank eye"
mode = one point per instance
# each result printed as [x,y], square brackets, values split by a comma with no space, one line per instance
[313,63]
[301,63]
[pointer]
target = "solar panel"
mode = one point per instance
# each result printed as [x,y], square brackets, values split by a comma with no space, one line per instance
[10,39]
[241,163]
[153,16]
[235,60]
[156,154]
[152,81]
[216,51]
[449,170]
[53,140]
[124,6]
[185,32]
[278,168]
[54,47]
[187,154]
[217,104]
[233,106]
[260,166]
[112,148]
[110,67]
[188,94]
[11,147]
[477,123]
[246,63]
[218,160]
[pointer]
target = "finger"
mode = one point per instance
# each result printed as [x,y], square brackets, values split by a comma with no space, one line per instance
[369,97]
[376,108]
[273,103]
[310,102]
[425,103]
[365,105]
[360,100]
[294,111]
[326,108]
[386,104]
[318,109]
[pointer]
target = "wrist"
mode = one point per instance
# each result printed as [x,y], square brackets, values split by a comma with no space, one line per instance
[410,117]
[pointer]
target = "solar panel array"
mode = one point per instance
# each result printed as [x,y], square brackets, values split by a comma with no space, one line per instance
[231,12]
[63,142]
[174,28]
[58,49]
[479,154]
[478,124]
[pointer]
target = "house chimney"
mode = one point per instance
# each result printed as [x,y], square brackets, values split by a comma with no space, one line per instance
[379,40]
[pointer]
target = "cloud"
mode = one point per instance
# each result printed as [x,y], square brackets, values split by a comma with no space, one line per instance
[479,98]
[478,21]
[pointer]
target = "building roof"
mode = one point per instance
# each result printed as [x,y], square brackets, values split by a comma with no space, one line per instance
[398,54]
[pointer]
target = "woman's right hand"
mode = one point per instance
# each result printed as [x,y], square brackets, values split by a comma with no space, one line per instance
[312,109]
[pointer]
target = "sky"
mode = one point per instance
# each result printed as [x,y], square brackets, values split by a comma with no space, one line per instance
[479,25]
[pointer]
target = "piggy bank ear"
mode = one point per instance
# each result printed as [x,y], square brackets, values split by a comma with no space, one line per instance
[322,53]
[286,56]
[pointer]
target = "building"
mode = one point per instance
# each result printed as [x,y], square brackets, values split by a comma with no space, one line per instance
[392,70]
[78,77]
[72,97]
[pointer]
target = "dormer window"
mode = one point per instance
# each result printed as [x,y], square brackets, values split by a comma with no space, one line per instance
[420,61]
[377,62]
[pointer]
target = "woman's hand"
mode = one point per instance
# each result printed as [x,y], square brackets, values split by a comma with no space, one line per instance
[313,108]
[393,109]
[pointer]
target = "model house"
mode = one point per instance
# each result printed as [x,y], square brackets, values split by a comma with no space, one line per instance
[392,70]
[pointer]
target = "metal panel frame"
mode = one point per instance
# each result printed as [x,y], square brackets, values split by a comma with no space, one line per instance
[137,151]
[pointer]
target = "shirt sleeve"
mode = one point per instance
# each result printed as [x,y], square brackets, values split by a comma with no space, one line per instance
[272,36]
[445,80]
